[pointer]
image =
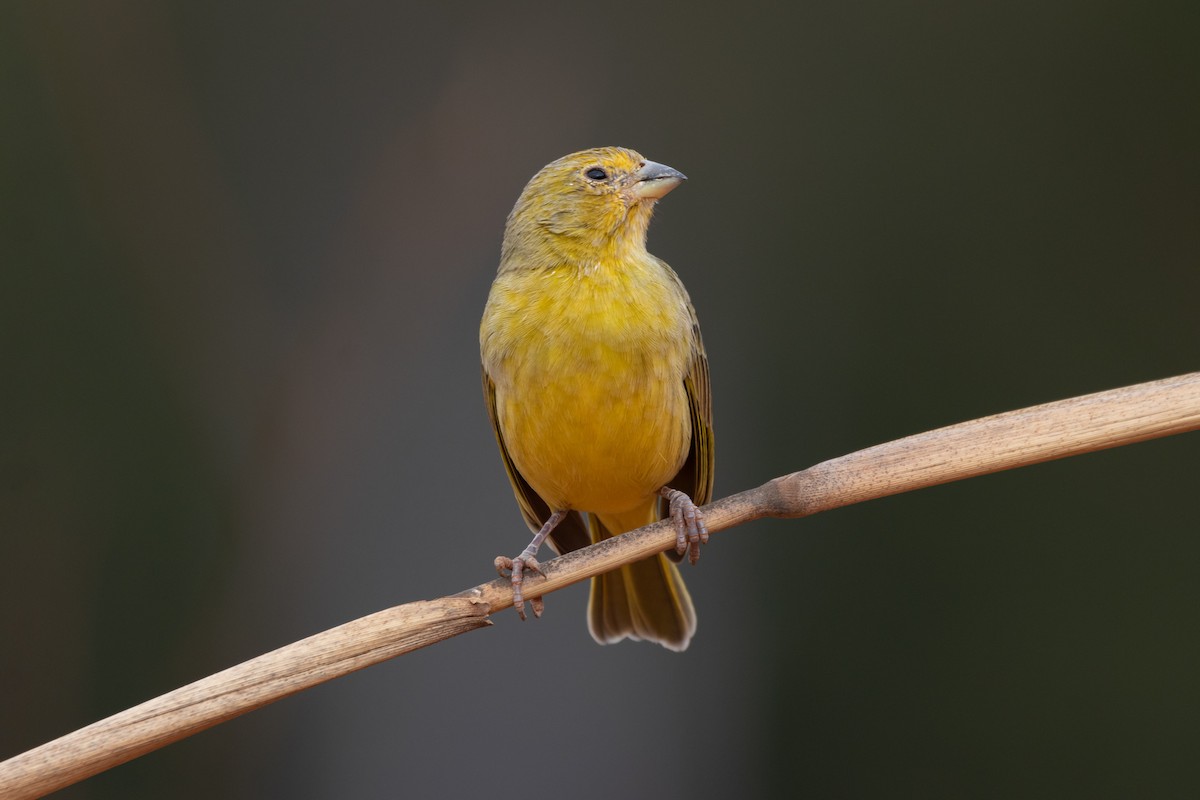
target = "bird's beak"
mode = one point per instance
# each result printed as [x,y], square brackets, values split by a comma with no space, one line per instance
[655,180]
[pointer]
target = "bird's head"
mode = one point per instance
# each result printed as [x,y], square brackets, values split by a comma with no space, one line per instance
[590,204]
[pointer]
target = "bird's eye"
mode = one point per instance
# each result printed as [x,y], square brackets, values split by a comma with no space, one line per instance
[596,174]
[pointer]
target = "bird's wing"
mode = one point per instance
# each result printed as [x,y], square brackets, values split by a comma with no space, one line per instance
[572,532]
[695,478]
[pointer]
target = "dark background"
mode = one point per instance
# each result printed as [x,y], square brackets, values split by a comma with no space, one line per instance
[244,252]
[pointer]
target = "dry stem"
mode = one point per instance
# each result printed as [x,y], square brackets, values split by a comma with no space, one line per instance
[1013,439]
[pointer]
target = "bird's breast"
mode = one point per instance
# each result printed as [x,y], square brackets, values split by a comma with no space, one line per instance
[589,368]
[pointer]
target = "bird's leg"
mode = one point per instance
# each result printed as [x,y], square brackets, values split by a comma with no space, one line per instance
[690,530]
[527,561]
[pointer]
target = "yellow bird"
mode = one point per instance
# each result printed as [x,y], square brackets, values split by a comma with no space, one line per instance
[596,383]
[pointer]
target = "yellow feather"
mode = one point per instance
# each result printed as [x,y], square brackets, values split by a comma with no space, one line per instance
[595,374]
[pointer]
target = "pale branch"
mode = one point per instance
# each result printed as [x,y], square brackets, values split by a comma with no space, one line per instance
[999,442]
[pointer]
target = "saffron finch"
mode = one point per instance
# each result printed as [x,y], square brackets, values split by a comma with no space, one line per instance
[597,386]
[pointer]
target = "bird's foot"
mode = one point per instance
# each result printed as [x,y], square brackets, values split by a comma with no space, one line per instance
[690,530]
[515,569]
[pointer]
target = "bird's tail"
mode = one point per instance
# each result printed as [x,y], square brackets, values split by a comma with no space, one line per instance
[644,600]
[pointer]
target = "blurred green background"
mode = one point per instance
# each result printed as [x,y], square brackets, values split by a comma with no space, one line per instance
[244,252]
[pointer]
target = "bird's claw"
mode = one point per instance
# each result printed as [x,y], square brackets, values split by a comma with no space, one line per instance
[515,569]
[690,530]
